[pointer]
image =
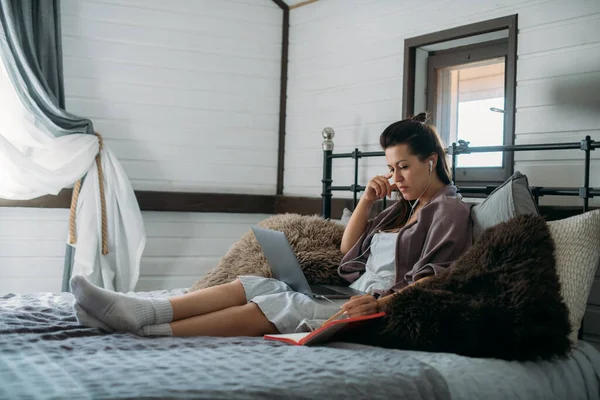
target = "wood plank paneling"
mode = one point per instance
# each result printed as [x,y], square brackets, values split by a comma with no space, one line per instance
[555,12]
[557,118]
[144,36]
[347,75]
[571,33]
[167,57]
[196,20]
[343,97]
[115,71]
[204,75]
[570,90]
[181,247]
[563,62]
[81,88]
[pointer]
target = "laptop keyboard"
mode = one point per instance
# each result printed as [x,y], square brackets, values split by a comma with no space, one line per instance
[323,291]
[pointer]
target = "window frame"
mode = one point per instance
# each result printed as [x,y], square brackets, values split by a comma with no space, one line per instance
[463,55]
[469,176]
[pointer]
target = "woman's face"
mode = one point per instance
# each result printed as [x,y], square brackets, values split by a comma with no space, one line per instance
[410,175]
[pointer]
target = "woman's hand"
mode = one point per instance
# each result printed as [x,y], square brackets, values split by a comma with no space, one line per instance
[378,188]
[361,305]
[382,301]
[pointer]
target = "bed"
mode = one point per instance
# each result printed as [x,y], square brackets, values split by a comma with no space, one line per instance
[45,353]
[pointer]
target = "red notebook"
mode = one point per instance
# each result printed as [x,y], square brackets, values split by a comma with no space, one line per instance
[325,333]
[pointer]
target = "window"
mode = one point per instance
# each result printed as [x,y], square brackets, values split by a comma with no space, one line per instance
[465,79]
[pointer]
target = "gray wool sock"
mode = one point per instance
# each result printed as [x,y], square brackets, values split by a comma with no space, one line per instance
[86,319]
[155,330]
[121,313]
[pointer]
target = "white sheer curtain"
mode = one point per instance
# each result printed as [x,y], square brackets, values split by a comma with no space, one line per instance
[35,162]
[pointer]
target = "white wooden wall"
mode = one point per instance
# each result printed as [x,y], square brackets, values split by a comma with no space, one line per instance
[185,92]
[346,66]
[180,247]
[187,95]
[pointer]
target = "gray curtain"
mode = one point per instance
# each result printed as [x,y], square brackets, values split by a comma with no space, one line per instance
[30,45]
[38,26]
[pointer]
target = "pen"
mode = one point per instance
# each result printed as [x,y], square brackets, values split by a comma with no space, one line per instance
[334,317]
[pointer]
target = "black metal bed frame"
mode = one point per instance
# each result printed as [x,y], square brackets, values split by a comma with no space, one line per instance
[585,192]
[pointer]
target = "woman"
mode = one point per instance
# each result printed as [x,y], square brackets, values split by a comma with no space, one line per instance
[418,237]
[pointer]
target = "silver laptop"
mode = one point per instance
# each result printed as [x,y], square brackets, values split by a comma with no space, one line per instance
[285,267]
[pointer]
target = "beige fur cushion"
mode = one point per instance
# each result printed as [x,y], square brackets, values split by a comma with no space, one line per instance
[315,241]
[577,252]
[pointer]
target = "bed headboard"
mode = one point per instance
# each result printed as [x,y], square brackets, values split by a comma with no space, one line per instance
[585,192]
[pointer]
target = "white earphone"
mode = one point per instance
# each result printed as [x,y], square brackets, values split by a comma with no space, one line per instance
[412,209]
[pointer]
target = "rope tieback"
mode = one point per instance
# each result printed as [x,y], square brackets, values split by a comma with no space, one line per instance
[75,197]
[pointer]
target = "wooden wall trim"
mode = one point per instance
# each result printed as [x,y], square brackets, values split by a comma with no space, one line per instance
[206,202]
[281,4]
[242,203]
[61,200]
[285,40]
[460,32]
[203,202]
[169,201]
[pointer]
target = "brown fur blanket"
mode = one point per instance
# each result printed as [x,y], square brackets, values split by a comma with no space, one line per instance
[315,241]
[501,299]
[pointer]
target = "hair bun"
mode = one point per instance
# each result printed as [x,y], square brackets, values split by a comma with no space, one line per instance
[421,117]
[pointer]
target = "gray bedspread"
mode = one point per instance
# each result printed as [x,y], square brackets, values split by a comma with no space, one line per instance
[45,354]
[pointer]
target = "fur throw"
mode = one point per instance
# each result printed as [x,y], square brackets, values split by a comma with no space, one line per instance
[501,299]
[315,241]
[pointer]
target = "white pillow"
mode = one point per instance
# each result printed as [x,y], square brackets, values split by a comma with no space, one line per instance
[577,252]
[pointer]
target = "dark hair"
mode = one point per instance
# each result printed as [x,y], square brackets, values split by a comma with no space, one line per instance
[422,140]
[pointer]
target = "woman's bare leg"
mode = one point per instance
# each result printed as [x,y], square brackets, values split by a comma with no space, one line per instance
[241,320]
[208,300]
[129,314]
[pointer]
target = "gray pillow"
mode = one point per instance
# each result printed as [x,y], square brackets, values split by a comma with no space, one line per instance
[508,200]
[346,215]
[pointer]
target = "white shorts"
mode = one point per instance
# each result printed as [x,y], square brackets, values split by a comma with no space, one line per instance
[289,311]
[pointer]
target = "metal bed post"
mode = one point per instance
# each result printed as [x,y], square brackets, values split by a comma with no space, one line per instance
[328,134]
[453,153]
[584,192]
[536,195]
[356,156]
